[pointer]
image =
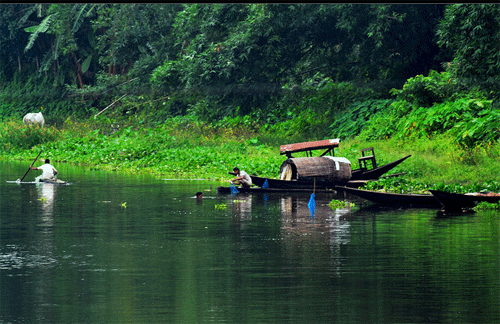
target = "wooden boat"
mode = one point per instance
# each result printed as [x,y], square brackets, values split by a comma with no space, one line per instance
[309,185]
[223,189]
[376,173]
[456,201]
[53,181]
[358,174]
[322,172]
[393,198]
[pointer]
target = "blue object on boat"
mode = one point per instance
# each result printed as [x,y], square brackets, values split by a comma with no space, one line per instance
[265,185]
[233,189]
[312,205]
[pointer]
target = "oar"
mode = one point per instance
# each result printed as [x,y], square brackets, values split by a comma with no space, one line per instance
[31,166]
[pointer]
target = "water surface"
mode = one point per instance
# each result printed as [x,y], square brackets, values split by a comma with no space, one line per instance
[113,248]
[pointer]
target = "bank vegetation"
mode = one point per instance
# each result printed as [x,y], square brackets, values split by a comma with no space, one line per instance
[183,91]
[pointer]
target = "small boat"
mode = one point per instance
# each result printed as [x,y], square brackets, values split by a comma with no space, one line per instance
[325,171]
[223,189]
[377,172]
[293,184]
[358,174]
[456,201]
[296,184]
[53,181]
[389,198]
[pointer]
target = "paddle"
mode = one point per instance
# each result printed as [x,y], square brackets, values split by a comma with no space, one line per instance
[31,166]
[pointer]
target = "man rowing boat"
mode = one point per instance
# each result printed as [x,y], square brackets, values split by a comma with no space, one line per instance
[49,172]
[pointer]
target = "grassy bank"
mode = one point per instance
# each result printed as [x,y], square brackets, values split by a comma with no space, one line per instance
[184,148]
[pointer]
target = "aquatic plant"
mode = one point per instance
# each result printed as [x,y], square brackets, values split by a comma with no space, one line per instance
[338,204]
[483,205]
[220,206]
[184,148]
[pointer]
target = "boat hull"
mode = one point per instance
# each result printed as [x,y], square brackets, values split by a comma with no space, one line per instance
[56,181]
[388,198]
[267,190]
[455,201]
[296,184]
[375,173]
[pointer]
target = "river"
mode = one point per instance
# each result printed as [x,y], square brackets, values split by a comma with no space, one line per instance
[117,248]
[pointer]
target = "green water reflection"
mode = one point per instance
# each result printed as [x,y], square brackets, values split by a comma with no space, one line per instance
[78,254]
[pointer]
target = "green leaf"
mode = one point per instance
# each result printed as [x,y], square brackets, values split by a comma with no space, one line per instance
[42,28]
[31,29]
[86,64]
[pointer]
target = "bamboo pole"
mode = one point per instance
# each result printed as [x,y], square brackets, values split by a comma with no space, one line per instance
[109,106]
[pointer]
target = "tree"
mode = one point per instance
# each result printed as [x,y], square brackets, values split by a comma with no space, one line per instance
[13,19]
[134,38]
[68,45]
[244,53]
[472,33]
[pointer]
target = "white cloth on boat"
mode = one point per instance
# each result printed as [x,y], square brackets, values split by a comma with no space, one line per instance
[338,160]
[287,173]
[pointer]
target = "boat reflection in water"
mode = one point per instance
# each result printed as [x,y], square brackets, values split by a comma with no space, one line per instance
[296,219]
[325,232]
[242,207]
[46,194]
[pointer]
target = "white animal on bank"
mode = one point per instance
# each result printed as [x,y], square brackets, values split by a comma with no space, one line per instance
[34,118]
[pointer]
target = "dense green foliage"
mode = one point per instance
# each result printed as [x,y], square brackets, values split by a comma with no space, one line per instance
[471,32]
[209,60]
[176,88]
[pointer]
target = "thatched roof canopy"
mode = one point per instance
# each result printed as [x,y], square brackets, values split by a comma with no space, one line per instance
[320,167]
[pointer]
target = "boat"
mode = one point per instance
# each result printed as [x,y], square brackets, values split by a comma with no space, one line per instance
[389,198]
[309,185]
[363,173]
[223,189]
[325,171]
[56,181]
[456,201]
[53,181]
[377,172]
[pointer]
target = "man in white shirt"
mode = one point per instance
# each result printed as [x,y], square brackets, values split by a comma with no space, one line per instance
[48,170]
[242,178]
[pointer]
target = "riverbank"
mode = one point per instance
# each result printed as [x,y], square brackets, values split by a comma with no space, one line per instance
[184,149]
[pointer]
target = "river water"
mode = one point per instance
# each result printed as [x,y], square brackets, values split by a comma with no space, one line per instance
[114,248]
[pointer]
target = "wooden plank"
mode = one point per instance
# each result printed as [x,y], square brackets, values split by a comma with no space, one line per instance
[307,146]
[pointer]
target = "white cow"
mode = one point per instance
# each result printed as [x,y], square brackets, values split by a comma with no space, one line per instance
[34,118]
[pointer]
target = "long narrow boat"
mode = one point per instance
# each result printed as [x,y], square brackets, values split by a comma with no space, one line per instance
[323,172]
[55,181]
[388,198]
[297,184]
[330,145]
[376,173]
[223,189]
[456,201]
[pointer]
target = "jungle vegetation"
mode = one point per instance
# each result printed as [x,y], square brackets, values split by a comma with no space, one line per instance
[172,87]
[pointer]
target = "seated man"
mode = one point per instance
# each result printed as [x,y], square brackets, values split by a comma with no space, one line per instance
[48,171]
[242,178]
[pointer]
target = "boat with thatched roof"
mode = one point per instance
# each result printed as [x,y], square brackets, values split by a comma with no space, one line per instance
[322,172]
